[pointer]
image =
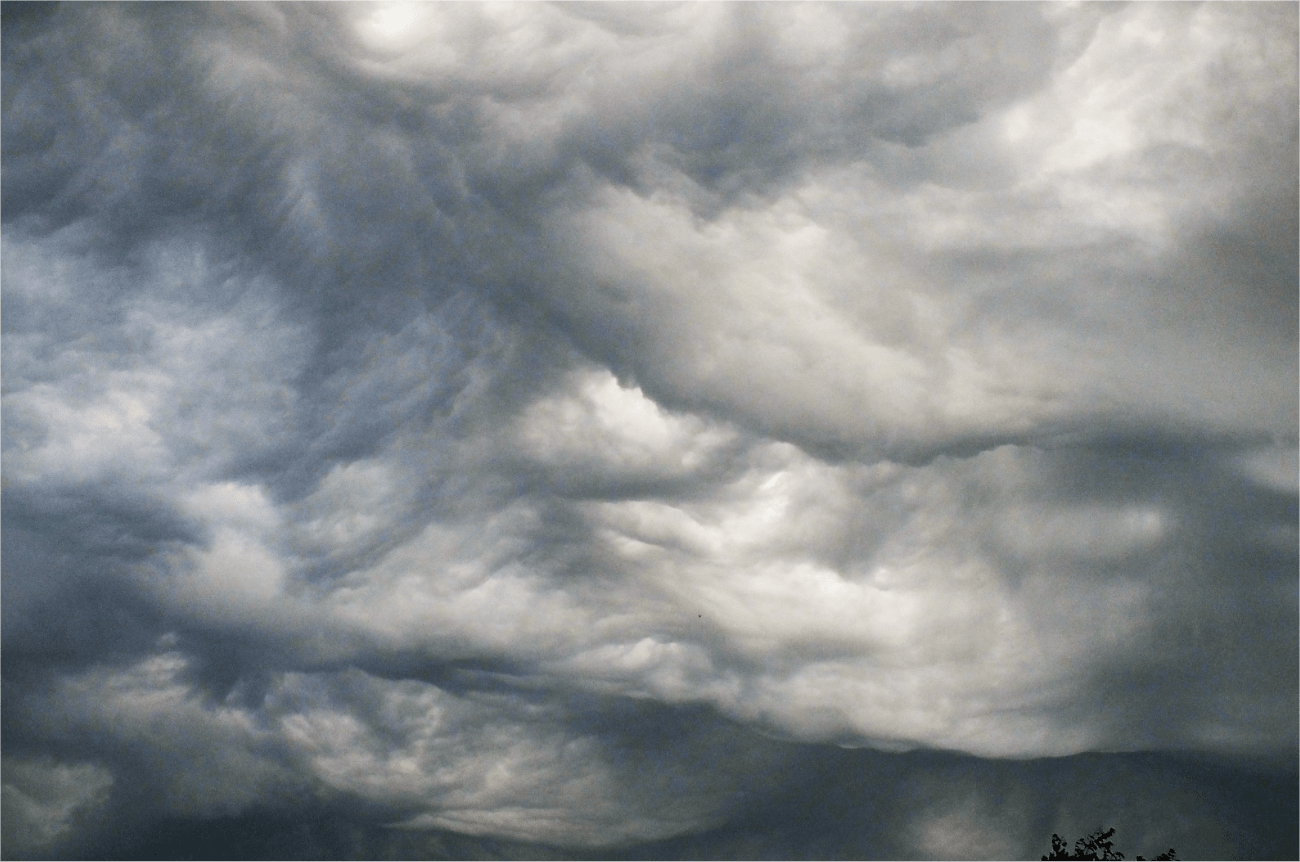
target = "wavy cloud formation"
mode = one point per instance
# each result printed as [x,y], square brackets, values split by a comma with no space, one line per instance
[579,425]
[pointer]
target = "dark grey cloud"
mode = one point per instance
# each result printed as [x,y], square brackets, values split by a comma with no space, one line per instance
[656,430]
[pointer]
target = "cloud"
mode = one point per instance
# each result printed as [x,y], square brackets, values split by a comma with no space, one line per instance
[481,762]
[556,425]
[969,309]
[41,799]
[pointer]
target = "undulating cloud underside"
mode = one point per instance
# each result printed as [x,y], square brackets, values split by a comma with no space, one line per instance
[566,424]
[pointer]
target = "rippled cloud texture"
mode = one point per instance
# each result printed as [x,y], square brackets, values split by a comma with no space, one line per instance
[699,430]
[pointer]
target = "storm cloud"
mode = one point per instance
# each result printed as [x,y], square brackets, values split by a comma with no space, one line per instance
[741,430]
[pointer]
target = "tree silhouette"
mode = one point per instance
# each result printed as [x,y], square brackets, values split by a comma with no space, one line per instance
[1098,845]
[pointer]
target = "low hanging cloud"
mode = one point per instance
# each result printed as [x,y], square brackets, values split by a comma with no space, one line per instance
[595,426]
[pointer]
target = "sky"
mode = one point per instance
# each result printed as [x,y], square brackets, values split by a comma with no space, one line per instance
[714,430]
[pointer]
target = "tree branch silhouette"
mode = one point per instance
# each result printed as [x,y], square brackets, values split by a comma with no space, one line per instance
[1098,846]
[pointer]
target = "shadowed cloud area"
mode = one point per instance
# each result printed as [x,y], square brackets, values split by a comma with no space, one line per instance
[649,431]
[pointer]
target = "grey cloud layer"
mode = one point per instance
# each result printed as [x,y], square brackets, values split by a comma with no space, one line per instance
[432,407]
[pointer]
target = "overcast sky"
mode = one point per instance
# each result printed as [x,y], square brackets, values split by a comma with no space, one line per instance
[699,430]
